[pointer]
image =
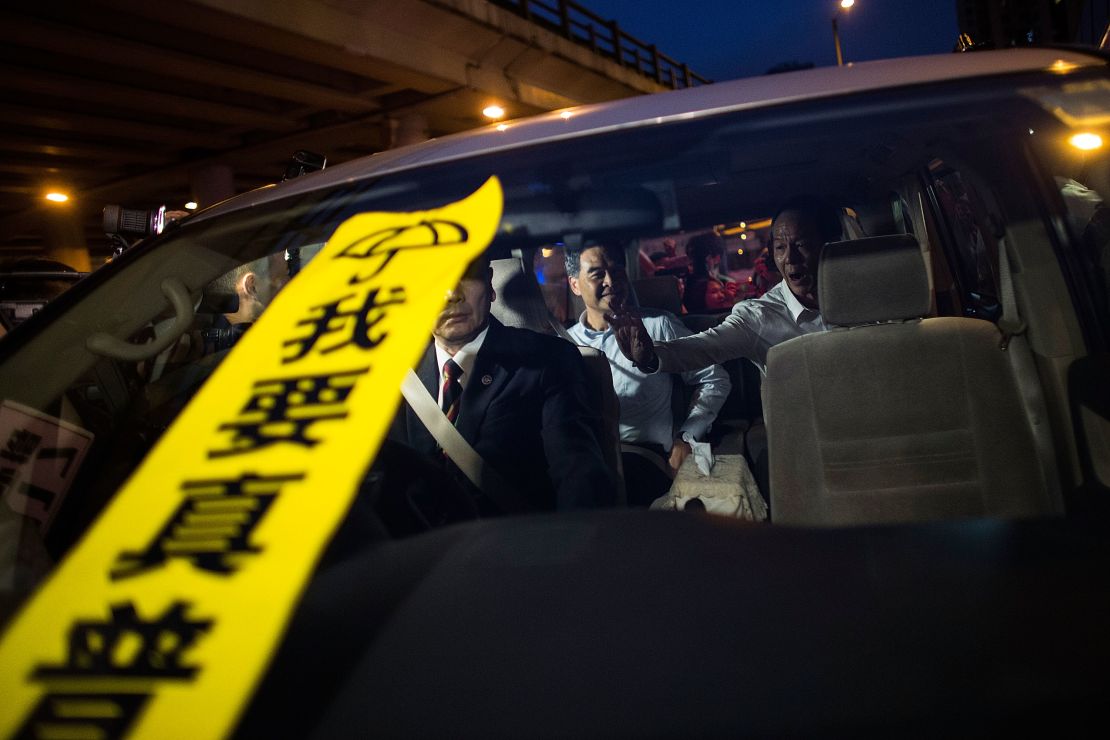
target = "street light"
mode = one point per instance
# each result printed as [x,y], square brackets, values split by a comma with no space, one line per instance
[844,5]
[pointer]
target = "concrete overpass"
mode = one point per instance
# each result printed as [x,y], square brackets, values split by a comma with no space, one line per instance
[148,103]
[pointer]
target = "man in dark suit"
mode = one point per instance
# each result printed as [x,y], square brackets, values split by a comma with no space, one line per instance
[519,398]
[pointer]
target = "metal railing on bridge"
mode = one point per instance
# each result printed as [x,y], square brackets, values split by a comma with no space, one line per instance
[604,37]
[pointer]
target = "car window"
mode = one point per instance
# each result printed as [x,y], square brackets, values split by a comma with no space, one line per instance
[128,349]
[1081,177]
[972,239]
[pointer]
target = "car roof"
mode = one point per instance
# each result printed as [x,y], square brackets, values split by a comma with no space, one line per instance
[749,93]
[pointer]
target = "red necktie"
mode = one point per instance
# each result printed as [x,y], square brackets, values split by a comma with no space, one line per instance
[452,390]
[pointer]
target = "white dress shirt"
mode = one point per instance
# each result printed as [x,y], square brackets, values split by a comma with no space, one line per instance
[464,358]
[753,327]
[645,399]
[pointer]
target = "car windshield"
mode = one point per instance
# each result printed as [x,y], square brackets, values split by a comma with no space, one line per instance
[959,167]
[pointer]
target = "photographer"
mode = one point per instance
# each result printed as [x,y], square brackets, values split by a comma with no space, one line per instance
[255,284]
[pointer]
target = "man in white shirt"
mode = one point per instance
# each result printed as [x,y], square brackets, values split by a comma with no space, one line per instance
[790,309]
[646,419]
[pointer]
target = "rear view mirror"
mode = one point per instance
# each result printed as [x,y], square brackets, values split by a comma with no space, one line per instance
[618,213]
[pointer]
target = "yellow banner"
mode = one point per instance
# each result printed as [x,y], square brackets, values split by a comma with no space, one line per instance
[164,617]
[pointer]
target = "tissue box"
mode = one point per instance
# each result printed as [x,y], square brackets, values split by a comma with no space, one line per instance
[730,490]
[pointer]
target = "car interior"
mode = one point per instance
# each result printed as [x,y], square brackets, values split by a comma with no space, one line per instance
[971,281]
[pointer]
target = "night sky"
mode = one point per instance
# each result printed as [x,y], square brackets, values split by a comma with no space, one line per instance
[725,39]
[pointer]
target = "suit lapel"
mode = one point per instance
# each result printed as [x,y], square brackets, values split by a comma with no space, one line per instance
[488,377]
[419,436]
[428,370]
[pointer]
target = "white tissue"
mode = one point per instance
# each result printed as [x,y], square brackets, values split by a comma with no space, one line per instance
[703,456]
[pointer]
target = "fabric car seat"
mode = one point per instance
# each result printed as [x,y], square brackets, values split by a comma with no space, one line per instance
[520,304]
[891,417]
[519,300]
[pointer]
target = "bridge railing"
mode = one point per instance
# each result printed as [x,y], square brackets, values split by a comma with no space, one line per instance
[605,37]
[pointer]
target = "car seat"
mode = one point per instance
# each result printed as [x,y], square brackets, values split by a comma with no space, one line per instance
[891,417]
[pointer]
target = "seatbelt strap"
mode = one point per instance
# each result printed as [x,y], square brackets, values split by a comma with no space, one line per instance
[1016,345]
[561,331]
[455,446]
[1010,324]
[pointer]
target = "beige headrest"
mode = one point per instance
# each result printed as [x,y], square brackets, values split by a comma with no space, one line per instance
[880,278]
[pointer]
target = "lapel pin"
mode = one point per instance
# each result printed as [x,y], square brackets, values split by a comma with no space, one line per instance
[487,379]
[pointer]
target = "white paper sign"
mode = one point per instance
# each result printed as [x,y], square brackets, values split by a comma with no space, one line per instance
[39,458]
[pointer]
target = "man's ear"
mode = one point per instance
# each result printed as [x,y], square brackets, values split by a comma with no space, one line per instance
[248,284]
[573,282]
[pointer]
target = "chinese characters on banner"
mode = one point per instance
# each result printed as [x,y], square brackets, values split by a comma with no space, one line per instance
[163,619]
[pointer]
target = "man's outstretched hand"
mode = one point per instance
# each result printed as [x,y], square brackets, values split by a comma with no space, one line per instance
[633,339]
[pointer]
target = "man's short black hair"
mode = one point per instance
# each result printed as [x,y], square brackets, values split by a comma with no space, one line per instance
[479,268]
[572,258]
[825,216]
